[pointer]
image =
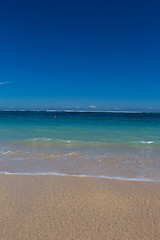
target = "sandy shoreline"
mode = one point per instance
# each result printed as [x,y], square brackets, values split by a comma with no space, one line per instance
[58,207]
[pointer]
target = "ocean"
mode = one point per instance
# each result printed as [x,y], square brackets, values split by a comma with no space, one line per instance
[120,145]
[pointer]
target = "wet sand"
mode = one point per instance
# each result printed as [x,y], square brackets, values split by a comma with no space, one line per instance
[58,207]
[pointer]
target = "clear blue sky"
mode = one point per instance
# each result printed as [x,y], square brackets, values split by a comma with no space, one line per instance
[57,54]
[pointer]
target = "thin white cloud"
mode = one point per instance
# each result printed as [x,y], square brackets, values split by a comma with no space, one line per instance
[92,106]
[2,83]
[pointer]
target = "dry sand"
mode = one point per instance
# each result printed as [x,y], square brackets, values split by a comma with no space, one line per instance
[56,207]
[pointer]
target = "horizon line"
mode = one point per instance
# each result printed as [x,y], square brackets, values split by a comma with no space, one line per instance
[78,111]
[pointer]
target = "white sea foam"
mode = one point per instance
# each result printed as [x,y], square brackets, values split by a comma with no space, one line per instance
[147,142]
[78,141]
[62,110]
[8,152]
[3,153]
[66,141]
[92,111]
[143,142]
[50,110]
[41,139]
[81,175]
[71,154]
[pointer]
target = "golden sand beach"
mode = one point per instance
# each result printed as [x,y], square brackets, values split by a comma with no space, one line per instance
[79,208]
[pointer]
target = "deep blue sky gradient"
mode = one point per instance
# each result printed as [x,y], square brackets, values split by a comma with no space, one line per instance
[63,54]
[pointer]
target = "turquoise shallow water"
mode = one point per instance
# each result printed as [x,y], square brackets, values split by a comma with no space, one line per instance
[115,145]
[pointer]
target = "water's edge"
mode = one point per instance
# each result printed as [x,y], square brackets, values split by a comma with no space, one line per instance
[83,176]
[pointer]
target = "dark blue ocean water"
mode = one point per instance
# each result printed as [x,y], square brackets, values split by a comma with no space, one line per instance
[108,144]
